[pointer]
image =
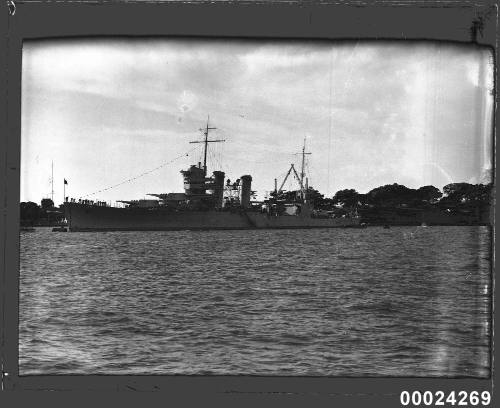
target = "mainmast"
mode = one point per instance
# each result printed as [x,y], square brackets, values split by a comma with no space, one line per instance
[300,178]
[206,142]
[52,181]
[302,171]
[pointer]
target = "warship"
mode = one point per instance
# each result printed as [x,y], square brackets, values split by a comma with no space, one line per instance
[207,203]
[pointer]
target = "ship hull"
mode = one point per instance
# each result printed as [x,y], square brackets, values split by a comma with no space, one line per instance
[96,218]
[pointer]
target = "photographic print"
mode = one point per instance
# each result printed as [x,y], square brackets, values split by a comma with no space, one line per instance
[256,207]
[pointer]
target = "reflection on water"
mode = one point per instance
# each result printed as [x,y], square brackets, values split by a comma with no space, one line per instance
[332,302]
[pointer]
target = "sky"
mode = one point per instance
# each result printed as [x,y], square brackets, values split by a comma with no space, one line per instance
[104,111]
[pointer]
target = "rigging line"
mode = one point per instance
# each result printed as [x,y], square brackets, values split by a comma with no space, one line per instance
[219,163]
[143,174]
[218,156]
[281,176]
[330,125]
[215,161]
[199,157]
[211,159]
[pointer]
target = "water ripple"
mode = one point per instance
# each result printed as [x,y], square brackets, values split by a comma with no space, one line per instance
[371,302]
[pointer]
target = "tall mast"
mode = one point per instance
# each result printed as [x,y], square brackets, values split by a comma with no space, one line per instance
[302,173]
[300,178]
[52,181]
[206,145]
[206,142]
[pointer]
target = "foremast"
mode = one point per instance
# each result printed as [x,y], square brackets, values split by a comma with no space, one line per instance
[303,191]
[196,182]
[206,142]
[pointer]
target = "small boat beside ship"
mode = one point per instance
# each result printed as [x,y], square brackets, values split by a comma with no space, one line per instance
[209,202]
[59,229]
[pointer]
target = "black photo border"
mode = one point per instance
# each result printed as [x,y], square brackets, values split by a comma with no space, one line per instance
[460,22]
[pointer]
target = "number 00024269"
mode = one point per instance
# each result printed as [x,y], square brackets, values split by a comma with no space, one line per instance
[439,398]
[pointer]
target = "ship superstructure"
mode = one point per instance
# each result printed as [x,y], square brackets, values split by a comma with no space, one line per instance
[208,202]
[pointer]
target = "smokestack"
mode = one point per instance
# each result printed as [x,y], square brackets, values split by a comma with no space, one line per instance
[218,188]
[246,187]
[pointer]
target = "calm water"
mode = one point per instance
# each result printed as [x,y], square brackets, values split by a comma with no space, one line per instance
[403,301]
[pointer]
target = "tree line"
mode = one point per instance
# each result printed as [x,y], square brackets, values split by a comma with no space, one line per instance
[44,214]
[454,197]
